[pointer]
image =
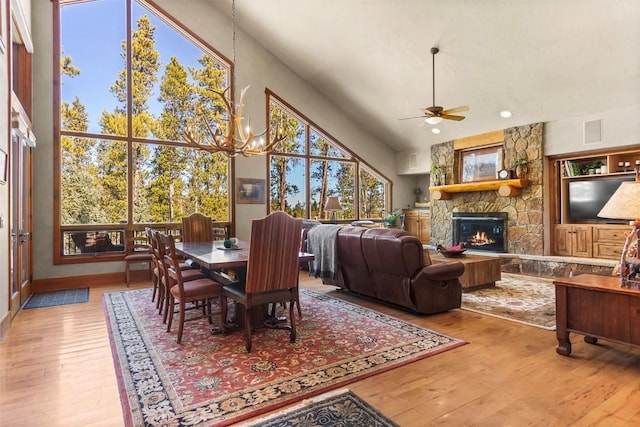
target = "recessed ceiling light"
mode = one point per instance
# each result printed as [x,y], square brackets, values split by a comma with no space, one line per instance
[435,130]
[505,114]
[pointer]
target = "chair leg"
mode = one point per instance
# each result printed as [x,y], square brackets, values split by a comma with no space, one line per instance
[126,274]
[181,321]
[170,303]
[292,319]
[247,331]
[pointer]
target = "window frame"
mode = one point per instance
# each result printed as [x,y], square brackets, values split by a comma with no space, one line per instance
[359,162]
[130,229]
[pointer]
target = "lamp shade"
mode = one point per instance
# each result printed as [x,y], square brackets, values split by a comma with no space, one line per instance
[624,203]
[434,120]
[333,204]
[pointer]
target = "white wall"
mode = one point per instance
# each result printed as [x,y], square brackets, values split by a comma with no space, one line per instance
[255,67]
[619,128]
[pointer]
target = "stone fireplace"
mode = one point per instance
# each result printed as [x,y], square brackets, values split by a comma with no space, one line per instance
[522,212]
[481,231]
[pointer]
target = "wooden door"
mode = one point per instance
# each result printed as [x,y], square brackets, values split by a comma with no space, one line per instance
[20,220]
[582,244]
[562,240]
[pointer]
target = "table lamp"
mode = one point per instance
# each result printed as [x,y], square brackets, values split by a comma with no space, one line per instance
[333,206]
[625,204]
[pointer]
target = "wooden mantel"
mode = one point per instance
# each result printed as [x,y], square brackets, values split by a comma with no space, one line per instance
[505,187]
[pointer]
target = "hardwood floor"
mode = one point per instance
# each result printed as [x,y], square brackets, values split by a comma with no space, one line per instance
[56,369]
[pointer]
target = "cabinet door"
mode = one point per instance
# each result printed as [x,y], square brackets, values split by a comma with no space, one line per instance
[425,227]
[582,244]
[562,240]
[412,225]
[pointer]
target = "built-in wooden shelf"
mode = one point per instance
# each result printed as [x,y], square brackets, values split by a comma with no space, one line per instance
[505,187]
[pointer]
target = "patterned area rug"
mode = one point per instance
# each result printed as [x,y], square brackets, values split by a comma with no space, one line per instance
[211,380]
[336,408]
[53,298]
[523,299]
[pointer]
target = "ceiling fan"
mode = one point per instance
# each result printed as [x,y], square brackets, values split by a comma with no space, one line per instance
[434,114]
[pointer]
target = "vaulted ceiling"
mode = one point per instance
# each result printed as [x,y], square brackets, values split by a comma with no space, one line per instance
[543,60]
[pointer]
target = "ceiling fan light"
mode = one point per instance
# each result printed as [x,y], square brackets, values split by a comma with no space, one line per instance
[433,120]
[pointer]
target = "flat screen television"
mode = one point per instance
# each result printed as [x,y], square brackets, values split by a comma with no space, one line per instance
[588,197]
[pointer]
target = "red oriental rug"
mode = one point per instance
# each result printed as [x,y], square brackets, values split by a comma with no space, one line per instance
[211,380]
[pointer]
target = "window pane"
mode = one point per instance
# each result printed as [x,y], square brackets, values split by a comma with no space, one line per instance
[321,146]
[291,126]
[372,195]
[331,178]
[172,182]
[87,77]
[287,192]
[173,79]
[93,181]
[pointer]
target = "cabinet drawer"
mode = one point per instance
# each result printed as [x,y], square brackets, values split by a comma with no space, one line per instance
[411,213]
[607,250]
[425,214]
[609,234]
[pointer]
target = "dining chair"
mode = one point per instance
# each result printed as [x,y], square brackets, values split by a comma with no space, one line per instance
[272,270]
[201,290]
[197,228]
[139,252]
[165,281]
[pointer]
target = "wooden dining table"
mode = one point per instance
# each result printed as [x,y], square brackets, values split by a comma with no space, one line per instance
[226,266]
[213,257]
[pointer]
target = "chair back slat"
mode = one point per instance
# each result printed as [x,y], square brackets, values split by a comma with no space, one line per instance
[197,228]
[273,253]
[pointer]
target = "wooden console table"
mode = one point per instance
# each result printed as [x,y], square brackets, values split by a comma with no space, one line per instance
[479,271]
[596,307]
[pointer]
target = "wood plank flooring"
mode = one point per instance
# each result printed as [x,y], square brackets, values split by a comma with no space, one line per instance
[56,369]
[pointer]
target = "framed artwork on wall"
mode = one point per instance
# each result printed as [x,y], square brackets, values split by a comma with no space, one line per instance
[481,164]
[250,191]
[4,159]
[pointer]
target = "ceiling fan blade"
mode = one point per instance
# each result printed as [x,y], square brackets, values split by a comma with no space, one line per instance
[450,117]
[456,110]
[410,118]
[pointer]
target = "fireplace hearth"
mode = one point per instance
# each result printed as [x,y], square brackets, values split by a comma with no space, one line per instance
[482,231]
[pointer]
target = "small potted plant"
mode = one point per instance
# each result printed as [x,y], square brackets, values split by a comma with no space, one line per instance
[520,168]
[437,175]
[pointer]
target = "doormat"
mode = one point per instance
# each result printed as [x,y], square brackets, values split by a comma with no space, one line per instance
[337,408]
[210,380]
[53,298]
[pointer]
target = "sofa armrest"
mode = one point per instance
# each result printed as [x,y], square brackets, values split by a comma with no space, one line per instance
[443,271]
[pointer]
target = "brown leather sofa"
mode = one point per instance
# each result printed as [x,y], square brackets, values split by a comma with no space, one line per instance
[390,265]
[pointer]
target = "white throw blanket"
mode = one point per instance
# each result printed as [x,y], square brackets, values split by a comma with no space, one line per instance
[321,242]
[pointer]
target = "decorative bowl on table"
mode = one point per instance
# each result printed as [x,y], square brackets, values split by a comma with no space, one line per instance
[452,251]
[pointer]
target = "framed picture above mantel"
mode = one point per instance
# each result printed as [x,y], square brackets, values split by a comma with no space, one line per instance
[481,164]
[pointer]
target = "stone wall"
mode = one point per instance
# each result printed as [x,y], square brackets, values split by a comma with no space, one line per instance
[525,227]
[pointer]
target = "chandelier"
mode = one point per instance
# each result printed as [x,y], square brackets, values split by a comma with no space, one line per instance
[237,140]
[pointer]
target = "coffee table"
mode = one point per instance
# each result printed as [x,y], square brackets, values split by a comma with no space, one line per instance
[479,271]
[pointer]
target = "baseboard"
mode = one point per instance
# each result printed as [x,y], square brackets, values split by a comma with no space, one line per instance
[91,281]
[5,324]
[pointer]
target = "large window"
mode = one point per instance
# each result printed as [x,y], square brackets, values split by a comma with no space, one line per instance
[309,166]
[130,82]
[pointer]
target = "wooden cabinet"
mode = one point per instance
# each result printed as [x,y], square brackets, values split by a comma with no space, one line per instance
[591,241]
[418,223]
[608,240]
[579,187]
[573,240]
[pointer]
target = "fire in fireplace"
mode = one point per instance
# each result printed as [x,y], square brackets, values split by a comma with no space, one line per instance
[483,231]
